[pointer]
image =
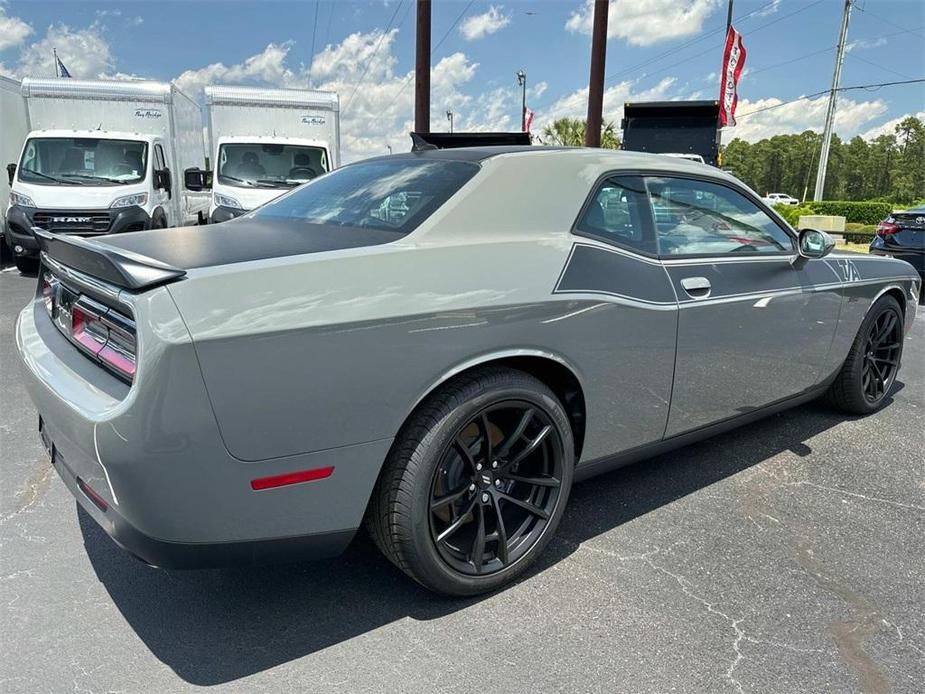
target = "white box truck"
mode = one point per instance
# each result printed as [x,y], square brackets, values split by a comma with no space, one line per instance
[267,141]
[14,124]
[104,157]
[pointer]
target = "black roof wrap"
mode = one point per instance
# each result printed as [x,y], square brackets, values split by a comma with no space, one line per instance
[242,240]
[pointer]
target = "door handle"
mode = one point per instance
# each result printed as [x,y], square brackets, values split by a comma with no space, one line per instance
[697,287]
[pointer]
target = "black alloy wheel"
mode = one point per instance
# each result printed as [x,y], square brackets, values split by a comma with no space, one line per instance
[476,482]
[495,488]
[881,355]
[871,367]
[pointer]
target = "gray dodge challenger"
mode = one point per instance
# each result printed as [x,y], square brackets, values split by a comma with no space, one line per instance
[436,345]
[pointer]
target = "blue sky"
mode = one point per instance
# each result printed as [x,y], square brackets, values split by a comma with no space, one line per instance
[658,49]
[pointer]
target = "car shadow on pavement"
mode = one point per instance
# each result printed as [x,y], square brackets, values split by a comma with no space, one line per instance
[217,626]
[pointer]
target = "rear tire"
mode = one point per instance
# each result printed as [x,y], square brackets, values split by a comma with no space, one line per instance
[869,372]
[499,444]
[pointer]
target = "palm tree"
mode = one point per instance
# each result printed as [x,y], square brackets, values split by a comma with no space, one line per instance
[570,132]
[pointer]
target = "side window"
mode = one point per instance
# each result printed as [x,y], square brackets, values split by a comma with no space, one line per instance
[618,214]
[160,162]
[698,217]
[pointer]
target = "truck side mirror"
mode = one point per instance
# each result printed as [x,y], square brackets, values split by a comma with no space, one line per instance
[11,172]
[196,179]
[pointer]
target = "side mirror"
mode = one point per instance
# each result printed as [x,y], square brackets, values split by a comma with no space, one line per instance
[813,243]
[11,172]
[196,179]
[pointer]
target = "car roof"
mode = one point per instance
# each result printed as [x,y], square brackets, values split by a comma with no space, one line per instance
[618,157]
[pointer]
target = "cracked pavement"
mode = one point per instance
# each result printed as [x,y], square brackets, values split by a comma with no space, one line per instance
[787,556]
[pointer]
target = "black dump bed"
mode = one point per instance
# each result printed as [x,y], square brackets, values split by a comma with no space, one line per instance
[422,141]
[682,127]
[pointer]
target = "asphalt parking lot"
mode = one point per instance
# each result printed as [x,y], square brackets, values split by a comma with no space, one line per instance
[787,556]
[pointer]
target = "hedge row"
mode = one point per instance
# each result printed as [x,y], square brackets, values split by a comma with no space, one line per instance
[853,212]
[858,212]
[859,237]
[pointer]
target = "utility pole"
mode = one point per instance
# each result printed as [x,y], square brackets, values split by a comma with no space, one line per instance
[596,81]
[422,69]
[830,112]
[522,81]
[449,117]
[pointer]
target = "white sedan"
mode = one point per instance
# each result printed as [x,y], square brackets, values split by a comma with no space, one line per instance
[779,199]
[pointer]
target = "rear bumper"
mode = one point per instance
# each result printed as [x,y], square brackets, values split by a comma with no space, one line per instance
[182,555]
[20,220]
[167,489]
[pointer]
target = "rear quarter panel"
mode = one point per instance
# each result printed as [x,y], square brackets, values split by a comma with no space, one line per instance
[314,352]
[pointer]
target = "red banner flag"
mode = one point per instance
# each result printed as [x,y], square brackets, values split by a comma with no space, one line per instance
[733,62]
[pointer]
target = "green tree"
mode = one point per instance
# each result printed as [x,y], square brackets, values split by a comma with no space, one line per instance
[570,132]
[890,167]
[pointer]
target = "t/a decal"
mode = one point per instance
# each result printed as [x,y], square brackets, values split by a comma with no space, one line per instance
[849,270]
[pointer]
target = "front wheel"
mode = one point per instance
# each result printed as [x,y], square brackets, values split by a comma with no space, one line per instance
[869,372]
[476,483]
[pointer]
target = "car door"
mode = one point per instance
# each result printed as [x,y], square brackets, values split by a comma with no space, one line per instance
[162,197]
[755,321]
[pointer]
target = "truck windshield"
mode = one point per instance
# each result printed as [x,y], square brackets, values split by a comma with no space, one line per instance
[388,194]
[269,165]
[83,161]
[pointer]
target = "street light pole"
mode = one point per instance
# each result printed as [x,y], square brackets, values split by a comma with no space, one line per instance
[522,81]
[449,117]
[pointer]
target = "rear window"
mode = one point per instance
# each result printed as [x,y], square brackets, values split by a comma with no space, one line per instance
[390,195]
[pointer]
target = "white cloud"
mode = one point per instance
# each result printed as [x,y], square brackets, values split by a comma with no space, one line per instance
[805,114]
[481,25]
[84,52]
[645,22]
[13,30]
[268,66]
[769,10]
[865,43]
[575,105]
[888,128]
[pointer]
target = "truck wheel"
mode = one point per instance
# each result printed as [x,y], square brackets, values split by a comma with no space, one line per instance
[476,482]
[870,370]
[27,266]
[159,220]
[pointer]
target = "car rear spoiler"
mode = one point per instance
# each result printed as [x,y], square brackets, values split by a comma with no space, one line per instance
[423,141]
[115,266]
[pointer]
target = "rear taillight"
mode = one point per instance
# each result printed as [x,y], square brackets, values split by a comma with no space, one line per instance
[101,332]
[887,227]
[48,291]
[106,334]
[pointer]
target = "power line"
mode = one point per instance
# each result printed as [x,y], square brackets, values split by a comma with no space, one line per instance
[701,38]
[373,55]
[904,30]
[684,45]
[879,67]
[868,87]
[311,59]
[434,50]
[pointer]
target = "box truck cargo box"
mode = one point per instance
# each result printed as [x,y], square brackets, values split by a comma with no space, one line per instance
[264,142]
[104,157]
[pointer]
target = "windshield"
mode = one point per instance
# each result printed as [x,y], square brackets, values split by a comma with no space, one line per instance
[269,165]
[386,194]
[83,161]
